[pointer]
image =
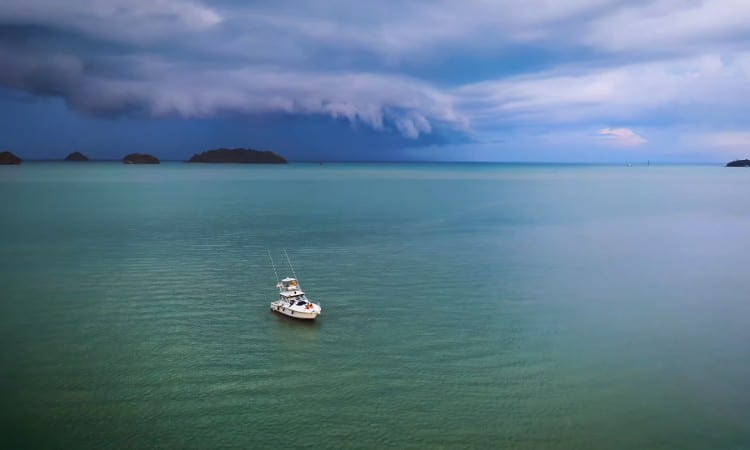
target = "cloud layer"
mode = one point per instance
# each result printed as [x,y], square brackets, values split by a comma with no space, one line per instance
[599,68]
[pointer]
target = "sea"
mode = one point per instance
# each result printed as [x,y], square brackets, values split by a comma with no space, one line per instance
[523,306]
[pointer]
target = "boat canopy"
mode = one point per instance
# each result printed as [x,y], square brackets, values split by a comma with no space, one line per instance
[289,284]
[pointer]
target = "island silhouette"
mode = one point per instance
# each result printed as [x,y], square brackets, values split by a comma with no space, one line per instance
[8,158]
[238,155]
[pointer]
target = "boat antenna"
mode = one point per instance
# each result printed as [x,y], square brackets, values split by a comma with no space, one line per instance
[273,265]
[290,265]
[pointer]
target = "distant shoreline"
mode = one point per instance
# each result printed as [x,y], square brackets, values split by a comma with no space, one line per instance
[505,163]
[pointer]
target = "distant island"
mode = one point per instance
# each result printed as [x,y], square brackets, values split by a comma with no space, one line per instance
[140,158]
[238,155]
[8,158]
[76,156]
[739,163]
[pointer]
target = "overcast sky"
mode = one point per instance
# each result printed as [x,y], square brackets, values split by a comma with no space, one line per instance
[538,80]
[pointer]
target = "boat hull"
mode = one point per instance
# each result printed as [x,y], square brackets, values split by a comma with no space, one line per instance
[294,314]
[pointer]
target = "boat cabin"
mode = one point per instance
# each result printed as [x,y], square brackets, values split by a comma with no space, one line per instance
[290,291]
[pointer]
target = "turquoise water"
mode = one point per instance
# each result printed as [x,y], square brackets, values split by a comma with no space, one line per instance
[464,306]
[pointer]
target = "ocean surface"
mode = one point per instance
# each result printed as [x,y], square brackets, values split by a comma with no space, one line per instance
[464,306]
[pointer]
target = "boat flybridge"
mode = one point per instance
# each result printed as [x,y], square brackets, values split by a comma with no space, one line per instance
[292,300]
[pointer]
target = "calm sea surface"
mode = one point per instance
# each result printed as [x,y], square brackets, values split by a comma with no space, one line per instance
[464,306]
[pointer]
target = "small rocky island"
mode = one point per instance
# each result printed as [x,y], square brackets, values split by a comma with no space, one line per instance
[8,158]
[140,158]
[76,156]
[238,155]
[739,163]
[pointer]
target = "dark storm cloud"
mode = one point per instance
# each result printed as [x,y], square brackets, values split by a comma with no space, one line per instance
[55,74]
[168,58]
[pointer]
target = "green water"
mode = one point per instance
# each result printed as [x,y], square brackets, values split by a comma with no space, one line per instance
[464,306]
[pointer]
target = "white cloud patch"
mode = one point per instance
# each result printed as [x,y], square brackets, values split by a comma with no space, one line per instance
[621,136]
[682,88]
[669,26]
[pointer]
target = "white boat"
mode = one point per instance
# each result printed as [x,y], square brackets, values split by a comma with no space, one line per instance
[292,300]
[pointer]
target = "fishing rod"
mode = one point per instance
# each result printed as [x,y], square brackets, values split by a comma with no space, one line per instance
[290,266]
[273,265]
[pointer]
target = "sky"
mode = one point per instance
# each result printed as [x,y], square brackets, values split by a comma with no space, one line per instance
[537,81]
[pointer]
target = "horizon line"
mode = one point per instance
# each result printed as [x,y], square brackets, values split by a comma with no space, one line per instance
[365,161]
